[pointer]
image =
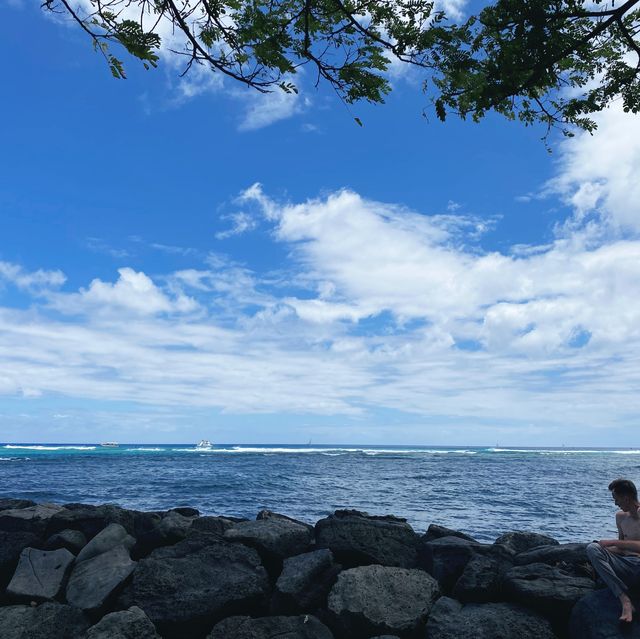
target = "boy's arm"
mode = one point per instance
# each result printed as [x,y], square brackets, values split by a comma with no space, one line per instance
[619,516]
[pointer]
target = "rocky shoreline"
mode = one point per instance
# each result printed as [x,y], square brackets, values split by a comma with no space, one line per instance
[104,572]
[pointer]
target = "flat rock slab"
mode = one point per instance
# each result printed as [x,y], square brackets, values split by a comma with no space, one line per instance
[31,519]
[186,588]
[11,545]
[596,615]
[436,532]
[357,539]
[125,624]
[546,588]
[47,621]
[305,581]
[302,627]
[94,581]
[107,539]
[40,574]
[449,619]
[371,600]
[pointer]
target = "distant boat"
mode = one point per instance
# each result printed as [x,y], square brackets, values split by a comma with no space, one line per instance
[204,444]
[109,444]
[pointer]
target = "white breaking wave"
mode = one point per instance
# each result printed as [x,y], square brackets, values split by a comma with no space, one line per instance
[566,451]
[332,451]
[38,447]
[150,450]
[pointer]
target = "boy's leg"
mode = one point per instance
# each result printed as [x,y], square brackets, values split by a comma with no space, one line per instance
[617,572]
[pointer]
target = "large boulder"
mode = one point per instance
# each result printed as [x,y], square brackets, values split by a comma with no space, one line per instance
[11,545]
[304,582]
[40,575]
[73,540]
[274,537]
[6,503]
[481,580]
[217,524]
[358,539]
[436,532]
[518,541]
[571,558]
[550,590]
[596,616]
[47,621]
[373,599]
[110,537]
[90,520]
[124,624]
[33,519]
[186,588]
[449,619]
[170,529]
[96,581]
[447,557]
[302,627]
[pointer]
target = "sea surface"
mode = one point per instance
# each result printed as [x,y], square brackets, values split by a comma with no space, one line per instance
[481,491]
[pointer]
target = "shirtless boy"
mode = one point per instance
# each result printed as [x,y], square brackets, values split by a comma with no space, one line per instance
[617,561]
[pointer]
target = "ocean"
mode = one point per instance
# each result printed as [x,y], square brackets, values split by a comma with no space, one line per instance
[481,491]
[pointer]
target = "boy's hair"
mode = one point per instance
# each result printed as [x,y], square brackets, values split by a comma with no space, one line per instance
[624,487]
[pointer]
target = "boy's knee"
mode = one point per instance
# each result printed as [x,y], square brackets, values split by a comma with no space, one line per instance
[594,549]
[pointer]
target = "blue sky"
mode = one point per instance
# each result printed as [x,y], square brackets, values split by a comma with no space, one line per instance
[185,258]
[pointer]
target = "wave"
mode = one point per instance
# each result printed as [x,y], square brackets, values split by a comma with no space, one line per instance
[40,447]
[149,450]
[566,451]
[331,451]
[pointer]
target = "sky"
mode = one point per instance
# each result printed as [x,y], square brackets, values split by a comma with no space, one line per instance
[185,258]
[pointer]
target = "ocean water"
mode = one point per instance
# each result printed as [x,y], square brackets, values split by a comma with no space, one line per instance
[481,491]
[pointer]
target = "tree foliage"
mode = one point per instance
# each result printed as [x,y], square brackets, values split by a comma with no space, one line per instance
[551,61]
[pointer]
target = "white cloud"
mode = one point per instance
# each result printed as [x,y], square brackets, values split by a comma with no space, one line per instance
[241,222]
[264,109]
[39,279]
[378,307]
[600,173]
[133,292]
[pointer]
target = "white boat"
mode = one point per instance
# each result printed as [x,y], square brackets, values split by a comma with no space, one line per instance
[109,444]
[204,444]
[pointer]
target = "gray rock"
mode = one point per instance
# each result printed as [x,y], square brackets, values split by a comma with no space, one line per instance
[112,536]
[571,558]
[446,558]
[304,582]
[216,525]
[73,540]
[274,538]
[172,528]
[371,600]
[436,532]
[47,621]
[481,580]
[185,511]
[520,541]
[95,581]
[356,539]
[124,624]
[32,519]
[302,627]
[90,520]
[40,574]
[545,588]
[11,545]
[186,588]
[596,615]
[14,504]
[451,620]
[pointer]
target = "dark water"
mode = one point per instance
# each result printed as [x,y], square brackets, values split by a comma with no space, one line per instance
[482,491]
